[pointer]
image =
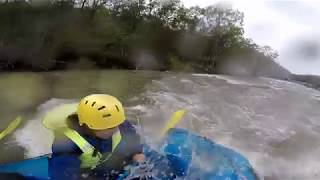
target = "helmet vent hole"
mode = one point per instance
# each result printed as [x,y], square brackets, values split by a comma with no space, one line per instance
[117,108]
[102,107]
[93,104]
[86,102]
[106,115]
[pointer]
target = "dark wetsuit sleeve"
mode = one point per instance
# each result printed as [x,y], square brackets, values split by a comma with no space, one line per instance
[64,162]
[131,137]
[64,145]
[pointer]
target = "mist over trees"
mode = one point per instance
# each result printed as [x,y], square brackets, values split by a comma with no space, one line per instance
[39,35]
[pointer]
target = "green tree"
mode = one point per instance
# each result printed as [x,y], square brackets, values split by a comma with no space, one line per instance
[120,34]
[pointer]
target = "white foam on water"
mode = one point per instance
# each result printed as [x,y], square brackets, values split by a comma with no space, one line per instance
[228,79]
[34,137]
[137,108]
[186,81]
[263,124]
[204,75]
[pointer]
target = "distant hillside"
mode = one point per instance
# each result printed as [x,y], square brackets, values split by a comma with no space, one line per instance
[261,67]
[253,66]
[307,80]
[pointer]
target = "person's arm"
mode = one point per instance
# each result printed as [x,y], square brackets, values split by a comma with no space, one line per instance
[63,145]
[64,162]
[133,141]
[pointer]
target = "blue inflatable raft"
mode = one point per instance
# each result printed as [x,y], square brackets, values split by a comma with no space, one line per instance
[182,154]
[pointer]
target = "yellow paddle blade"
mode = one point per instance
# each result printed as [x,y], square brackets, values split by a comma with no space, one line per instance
[12,126]
[175,119]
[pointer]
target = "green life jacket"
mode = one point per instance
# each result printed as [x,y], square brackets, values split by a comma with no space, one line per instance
[56,120]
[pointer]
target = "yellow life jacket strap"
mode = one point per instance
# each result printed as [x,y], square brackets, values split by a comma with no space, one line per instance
[116,138]
[87,159]
[82,143]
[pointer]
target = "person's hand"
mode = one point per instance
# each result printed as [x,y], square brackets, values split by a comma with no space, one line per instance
[139,158]
[89,161]
[138,171]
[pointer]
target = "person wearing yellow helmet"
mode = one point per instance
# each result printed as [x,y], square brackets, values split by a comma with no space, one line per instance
[97,138]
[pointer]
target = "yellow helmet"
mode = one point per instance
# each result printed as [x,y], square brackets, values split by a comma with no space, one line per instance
[100,112]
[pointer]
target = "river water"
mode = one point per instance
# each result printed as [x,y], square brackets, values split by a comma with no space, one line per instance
[275,124]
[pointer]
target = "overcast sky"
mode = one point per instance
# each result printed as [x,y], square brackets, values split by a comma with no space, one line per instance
[290,27]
